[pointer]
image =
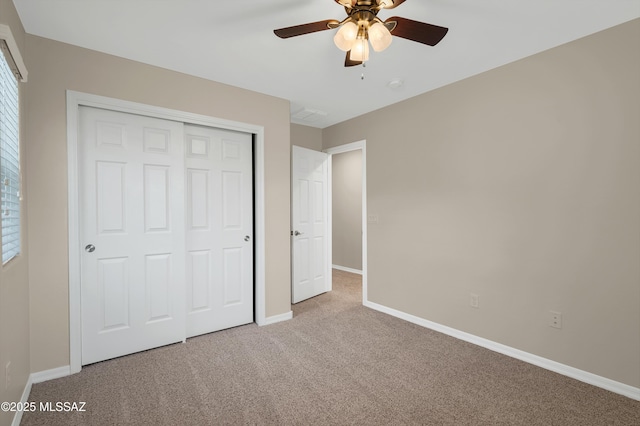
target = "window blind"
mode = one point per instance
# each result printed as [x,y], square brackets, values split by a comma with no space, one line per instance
[9,161]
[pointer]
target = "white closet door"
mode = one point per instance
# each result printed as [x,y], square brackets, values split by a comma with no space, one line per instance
[132,224]
[219,210]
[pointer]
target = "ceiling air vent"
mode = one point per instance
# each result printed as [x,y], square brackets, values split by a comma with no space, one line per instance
[308,115]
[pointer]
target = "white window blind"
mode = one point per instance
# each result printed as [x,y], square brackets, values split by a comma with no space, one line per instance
[9,160]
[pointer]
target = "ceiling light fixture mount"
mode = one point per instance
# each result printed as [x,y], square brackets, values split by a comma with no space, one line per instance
[362,27]
[395,83]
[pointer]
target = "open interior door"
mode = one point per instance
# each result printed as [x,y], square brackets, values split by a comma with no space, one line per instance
[310,261]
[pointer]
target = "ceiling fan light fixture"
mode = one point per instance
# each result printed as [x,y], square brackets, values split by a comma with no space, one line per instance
[379,36]
[360,50]
[346,36]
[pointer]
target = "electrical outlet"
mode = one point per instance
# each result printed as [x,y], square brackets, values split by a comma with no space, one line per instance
[555,319]
[373,218]
[7,375]
[474,300]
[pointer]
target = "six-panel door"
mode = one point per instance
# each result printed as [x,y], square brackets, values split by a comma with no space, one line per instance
[309,215]
[219,208]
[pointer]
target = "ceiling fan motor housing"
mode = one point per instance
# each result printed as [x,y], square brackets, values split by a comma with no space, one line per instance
[363,19]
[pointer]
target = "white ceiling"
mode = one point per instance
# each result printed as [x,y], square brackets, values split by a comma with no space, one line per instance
[233,42]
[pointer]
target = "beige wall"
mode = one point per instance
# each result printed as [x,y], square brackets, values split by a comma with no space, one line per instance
[14,286]
[347,209]
[56,67]
[306,137]
[521,185]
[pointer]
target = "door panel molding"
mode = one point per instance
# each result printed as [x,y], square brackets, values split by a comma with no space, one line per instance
[77,99]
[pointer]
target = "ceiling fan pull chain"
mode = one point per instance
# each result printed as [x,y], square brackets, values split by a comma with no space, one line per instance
[364,65]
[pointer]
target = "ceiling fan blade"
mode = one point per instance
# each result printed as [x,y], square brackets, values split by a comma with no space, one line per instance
[395,4]
[417,31]
[305,28]
[348,62]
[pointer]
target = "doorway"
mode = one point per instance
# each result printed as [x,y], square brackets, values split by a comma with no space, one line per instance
[346,188]
[346,227]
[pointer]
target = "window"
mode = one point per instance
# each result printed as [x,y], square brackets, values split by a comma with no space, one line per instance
[9,159]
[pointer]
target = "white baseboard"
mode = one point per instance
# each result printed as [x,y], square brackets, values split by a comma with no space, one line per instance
[17,418]
[574,373]
[54,373]
[39,377]
[277,318]
[346,269]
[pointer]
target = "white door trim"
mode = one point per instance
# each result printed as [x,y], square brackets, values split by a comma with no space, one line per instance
[77,99]
[354,146]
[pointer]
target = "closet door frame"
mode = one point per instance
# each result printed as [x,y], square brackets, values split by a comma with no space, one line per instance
[77,99]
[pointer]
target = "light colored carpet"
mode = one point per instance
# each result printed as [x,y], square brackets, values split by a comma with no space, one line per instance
[336,362]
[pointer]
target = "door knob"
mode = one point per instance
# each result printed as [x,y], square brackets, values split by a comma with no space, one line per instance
[247,238]
[90,248]
[296,233]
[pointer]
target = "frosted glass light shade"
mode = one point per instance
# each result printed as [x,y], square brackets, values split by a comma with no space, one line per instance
[360,50]
[379,36]
[345,36]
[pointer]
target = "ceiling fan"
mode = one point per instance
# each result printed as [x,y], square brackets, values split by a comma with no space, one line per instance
[362,26]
